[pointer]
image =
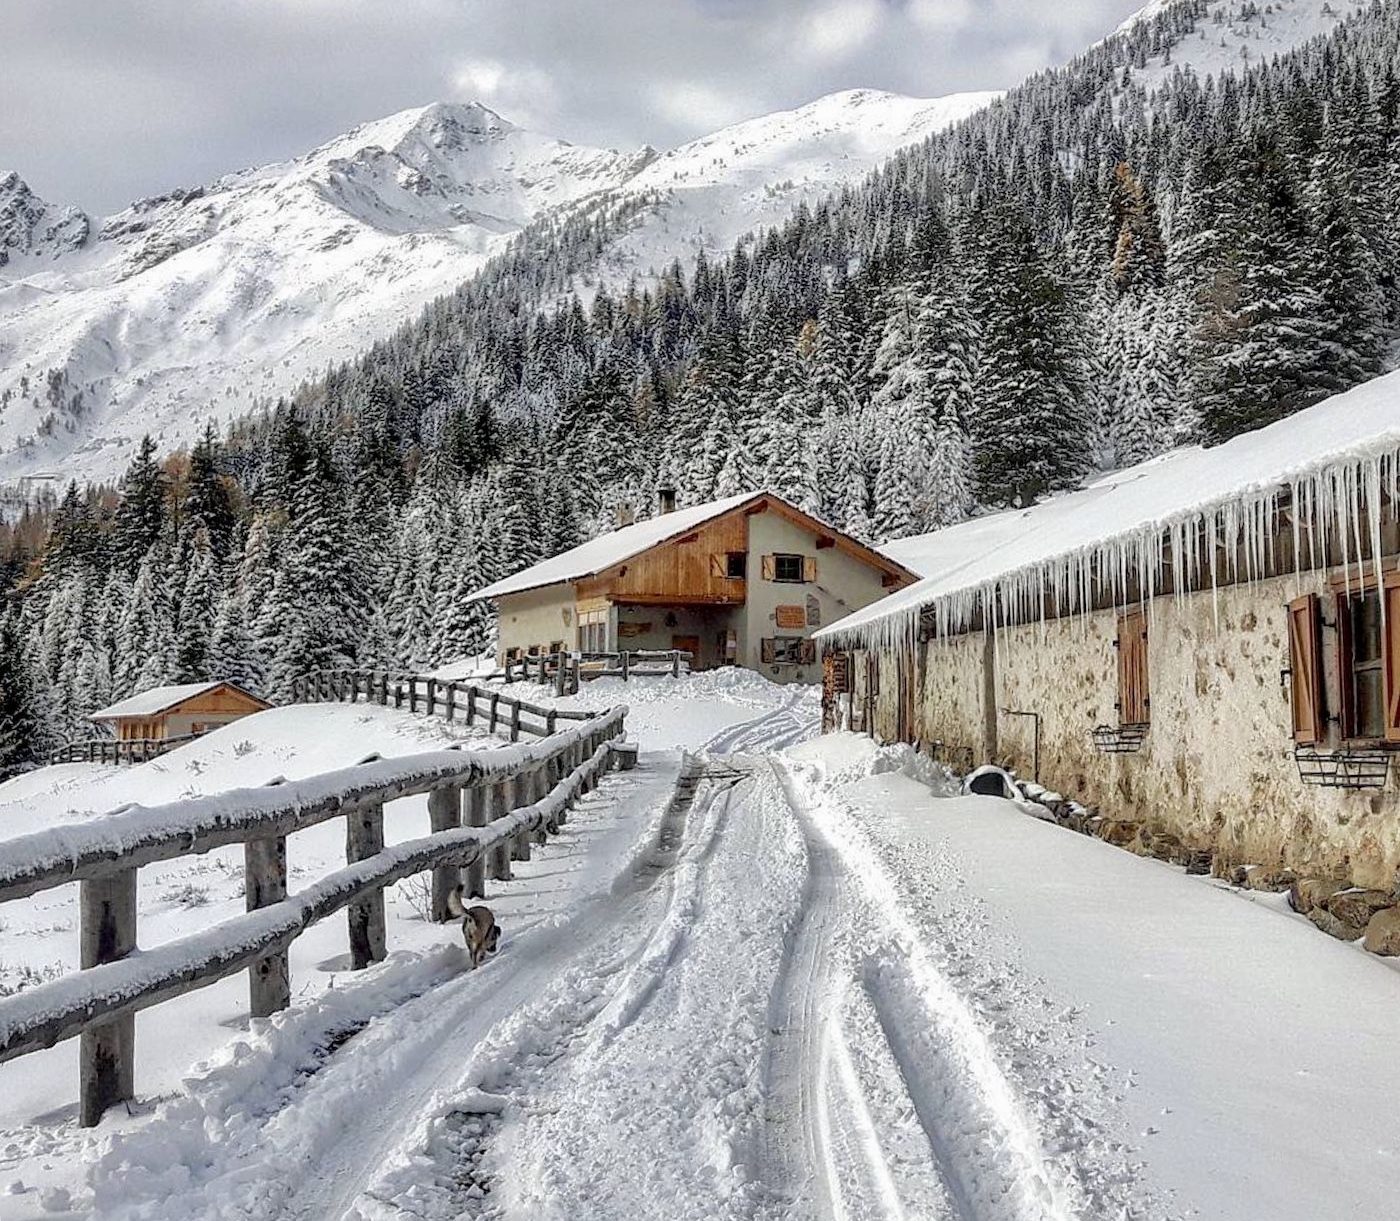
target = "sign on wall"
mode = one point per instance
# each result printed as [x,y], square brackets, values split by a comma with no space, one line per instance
[791,616]
[626,630]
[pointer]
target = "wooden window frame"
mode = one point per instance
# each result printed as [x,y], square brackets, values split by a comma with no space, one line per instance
[736,560]
[796,651]
[781,557]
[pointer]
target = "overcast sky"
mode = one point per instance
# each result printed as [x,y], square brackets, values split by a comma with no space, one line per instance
[104,101]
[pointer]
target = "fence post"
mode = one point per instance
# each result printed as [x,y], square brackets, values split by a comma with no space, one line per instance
[107,1050]
[515,723]
[551,721]
[561,672]
[476,799]
[413,693]
[495,701]
[265,883]
[544,785]
[444,813]
[527,792]
[502,798]
[626,664]
[432,697]
[364,837]
[471,705]
[675,663]
[451,701]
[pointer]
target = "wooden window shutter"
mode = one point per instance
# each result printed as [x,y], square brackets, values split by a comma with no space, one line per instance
[1133,698]
[1391,653]
[809,568]
[767,648]
[719,566]
[770,568]
[1304,657]
[808,651]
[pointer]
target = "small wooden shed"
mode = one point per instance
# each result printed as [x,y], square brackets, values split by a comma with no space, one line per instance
[178,711]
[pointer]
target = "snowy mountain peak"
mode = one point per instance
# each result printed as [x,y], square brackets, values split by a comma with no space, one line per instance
[31,226]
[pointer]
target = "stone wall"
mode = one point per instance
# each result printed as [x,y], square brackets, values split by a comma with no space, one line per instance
[1216,768]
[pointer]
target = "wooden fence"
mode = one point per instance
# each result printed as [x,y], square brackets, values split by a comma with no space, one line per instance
[566,671]
[118,750]
[505,796]
[458,701]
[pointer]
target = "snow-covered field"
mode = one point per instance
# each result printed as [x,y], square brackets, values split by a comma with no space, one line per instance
[764,975]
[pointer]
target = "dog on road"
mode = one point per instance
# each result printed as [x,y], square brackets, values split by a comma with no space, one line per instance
[479,927]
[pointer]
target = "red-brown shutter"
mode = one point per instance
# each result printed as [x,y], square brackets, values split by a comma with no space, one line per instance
[767,650]
[1304,657]
[1391,655]
[808,652]
[1133,697]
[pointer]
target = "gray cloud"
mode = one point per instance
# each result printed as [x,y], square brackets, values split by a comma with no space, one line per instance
[102,102]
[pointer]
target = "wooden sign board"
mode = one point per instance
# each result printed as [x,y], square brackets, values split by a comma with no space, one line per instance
[626,630]
[792,617]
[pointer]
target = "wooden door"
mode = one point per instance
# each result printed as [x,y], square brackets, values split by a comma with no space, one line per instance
[688,644]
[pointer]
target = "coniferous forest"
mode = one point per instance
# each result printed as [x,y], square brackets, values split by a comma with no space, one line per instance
[1077,278]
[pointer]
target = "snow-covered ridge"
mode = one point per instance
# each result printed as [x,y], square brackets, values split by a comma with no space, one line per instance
[1335,461]
[200,303]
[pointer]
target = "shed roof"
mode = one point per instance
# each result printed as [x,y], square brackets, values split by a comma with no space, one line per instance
[161,699]
[599,554]
[1336,459]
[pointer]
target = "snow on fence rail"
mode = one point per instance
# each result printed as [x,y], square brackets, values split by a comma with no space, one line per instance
[506,796]
[455,700]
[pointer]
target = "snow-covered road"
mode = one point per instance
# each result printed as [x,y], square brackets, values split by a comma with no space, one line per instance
[775,978]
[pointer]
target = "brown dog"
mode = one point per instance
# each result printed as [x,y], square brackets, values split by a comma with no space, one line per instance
[479,927]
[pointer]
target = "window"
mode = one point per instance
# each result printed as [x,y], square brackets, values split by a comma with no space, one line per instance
[1361,664]
[1134,701]
[556,646]
[787,651]
[593,631]
[736,564]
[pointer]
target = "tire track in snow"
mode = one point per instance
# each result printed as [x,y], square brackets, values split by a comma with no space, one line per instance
[780,727]
[985,1149]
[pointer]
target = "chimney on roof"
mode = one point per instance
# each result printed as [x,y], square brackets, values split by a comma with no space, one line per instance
[625,515]
[665,500]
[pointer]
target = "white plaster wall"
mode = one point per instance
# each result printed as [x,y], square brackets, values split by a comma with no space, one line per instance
[843,585]
[536,617]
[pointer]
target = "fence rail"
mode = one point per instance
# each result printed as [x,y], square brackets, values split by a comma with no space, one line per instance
[567,671]
[507,797]
[118,750]
[453,699]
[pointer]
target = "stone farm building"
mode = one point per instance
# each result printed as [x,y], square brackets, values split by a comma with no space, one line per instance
[1208,643]
[743,581]
[175,712]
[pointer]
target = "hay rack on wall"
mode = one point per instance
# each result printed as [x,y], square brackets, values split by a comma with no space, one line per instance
[1350,768]
[1119,739]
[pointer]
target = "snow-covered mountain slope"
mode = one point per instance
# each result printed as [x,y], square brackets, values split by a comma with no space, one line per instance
[743,178]
[199,304]
[1234,34]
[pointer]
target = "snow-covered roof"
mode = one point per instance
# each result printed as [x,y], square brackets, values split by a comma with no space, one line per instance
[1335,459]
[157,700]
[595,556]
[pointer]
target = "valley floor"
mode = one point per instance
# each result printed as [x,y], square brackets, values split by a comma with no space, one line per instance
[764,975]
